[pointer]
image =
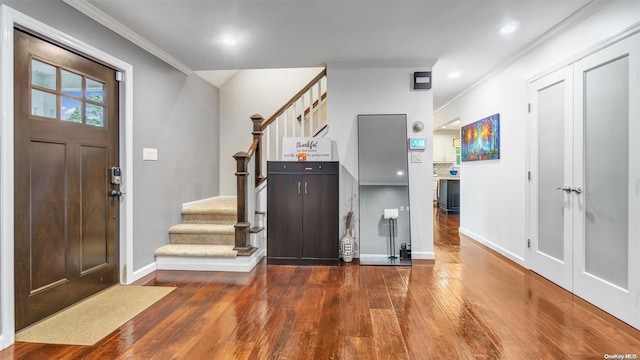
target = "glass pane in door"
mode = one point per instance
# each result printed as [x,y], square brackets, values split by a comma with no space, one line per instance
[606,196]
[551,164]
[43,75]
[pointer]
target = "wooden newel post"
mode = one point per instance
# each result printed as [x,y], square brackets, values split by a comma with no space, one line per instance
[257,120]
[242,226]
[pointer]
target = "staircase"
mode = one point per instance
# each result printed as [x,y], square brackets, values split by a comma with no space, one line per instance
[205,240]
[228,234]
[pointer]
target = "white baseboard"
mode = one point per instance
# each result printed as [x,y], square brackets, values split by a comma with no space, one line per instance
[423,255]
[418,255]
[497,248]
[198,202]
[142,272]
[238,264]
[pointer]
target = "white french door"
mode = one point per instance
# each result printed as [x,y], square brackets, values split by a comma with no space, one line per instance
[552,219]
[607,168]
[585,186]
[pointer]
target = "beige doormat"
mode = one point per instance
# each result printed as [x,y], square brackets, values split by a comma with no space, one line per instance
[95,317]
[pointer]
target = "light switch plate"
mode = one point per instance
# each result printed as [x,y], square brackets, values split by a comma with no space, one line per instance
[416,157]
[149,154]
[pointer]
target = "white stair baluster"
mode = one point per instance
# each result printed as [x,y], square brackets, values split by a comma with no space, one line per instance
[319,114]
[311,111]
[302,116]
[286,123]
[277,139]
[294,119]
[267,154]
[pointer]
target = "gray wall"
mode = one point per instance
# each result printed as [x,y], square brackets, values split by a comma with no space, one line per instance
[176,113]
[374,230]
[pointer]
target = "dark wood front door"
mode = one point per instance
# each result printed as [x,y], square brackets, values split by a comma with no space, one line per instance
[66,139]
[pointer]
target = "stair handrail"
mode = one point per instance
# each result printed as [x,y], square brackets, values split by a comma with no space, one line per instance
[246,184]
[293,99]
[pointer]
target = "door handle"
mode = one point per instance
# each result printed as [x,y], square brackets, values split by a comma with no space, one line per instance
[305,187]
[298,187]
[577,189]
[116,193]
[565,188]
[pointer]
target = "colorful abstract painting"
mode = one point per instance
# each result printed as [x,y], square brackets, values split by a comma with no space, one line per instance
[481,139]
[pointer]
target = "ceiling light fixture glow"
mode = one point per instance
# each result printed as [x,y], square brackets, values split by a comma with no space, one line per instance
[454,75]
[509,28]
[228,40]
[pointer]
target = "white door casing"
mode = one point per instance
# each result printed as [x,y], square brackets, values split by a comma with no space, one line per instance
[8,19]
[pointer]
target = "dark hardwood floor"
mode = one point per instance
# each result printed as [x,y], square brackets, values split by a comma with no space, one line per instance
[469,304]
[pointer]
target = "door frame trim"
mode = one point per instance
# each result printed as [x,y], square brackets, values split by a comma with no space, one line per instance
[8,19]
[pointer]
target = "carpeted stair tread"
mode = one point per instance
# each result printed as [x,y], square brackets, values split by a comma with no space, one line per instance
[212,212]
[222,207]
[189,250]
[208,229]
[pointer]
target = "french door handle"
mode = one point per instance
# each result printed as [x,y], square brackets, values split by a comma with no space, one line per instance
[565,188]
[577,189]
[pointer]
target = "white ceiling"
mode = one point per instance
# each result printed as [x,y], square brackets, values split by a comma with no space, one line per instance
[461,34]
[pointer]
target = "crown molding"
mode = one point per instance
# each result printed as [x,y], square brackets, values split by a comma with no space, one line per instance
[578,16]
[99,16]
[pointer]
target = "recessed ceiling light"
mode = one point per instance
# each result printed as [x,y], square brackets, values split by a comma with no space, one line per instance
[400,173]
[509,27]
[454,75]
[228,40]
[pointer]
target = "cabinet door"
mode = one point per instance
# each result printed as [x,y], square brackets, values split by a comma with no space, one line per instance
[438,150]
[320,214]
[284,229]
[449,149]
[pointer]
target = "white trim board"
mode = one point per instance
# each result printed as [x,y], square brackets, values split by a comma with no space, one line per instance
[495,247]
[8,19]
[142,272]
[423,255]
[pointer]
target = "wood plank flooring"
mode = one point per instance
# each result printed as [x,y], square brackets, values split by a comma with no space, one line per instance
[469,304]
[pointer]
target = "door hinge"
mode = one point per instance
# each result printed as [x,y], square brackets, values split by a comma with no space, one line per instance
[529,175]
[529,243]
[529,108]
[124,273]
[119,76]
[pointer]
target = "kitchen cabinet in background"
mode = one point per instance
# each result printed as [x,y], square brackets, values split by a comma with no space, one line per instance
[443,149]
[449,195]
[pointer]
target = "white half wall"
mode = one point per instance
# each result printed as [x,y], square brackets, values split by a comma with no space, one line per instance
[363,88]
[246,93]
[493,193]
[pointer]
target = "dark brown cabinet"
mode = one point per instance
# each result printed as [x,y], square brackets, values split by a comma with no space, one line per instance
[302,213]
